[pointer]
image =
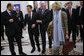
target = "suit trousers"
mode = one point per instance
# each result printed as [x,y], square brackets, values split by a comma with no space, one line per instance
[73,30]
[11,44]
[36,38]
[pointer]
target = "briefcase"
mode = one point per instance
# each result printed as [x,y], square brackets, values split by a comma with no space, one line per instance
[67,47]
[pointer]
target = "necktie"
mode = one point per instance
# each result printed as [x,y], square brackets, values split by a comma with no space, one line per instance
[10,13]
[36,10]
[43,12]
[70,12]
[30,15]
[80,11]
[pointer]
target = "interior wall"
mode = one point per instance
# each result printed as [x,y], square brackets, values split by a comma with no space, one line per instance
[23,4]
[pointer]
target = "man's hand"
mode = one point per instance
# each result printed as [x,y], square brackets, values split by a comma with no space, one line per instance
[38,21]
[24,28]
[51,24]
[33,25]
[11,20]
[67,37]
[77,25]
[82,26]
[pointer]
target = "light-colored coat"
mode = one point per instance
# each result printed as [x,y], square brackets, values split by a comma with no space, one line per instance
[64,25]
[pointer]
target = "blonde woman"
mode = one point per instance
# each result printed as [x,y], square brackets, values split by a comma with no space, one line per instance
[59,24]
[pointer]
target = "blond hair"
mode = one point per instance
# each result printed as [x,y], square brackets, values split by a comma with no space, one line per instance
[57,6]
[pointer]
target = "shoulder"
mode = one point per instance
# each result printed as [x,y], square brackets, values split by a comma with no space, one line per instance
[47,9]
[4,12]
[78,7]
[20,11]
[63,13]
[14,11]
[73,9]
[26,14]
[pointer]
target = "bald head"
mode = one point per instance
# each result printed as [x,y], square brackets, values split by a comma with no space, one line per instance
[43,6]
[17,8]
[10,6]
[36,5]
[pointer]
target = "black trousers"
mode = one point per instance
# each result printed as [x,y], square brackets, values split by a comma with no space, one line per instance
[43,37]
[2,32]
[33,39]
[50,42]
[21,26]
[2,35]
[73,30]
[11,38]
[81,32]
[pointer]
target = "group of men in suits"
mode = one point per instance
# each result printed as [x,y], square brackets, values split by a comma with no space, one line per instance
[37,20]
[14,22]
[75,19]
[37,17]
[12,28]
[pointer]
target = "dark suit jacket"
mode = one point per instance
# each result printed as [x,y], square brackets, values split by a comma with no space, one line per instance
[11,28]
[63,9]
[51,14]
[21,21]
[72,20]
[79,18]
[2,24]
[31,21]
[35,10]
[46,18]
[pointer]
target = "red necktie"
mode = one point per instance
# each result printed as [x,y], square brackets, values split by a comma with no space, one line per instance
[70,12]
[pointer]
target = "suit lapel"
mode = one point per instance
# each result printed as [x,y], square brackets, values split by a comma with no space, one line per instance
[8,14]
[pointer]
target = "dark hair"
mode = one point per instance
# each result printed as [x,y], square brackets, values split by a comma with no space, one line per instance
[69,3]
[29,6]
[9,5]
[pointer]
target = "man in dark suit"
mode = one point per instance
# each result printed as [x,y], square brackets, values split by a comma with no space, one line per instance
[2,28]
[43,20]
[21,19]
[79,20]
[36,9]
[71,13]
[65,7]
[12,28]
[30,19]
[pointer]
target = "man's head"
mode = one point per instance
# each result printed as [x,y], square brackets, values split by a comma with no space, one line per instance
[36,5]
[81,3]
[10,6]
[29,8]
[65,5]
[43,6]
[69,4]
[17,8]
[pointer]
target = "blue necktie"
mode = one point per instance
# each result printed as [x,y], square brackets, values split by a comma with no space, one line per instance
[43,12]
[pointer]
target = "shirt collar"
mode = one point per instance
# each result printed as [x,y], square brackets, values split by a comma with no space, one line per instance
[8,11]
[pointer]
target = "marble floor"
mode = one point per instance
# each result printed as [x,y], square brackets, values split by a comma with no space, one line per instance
[27,47]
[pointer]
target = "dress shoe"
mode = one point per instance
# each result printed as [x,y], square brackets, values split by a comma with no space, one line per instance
[22,37]
[13,53]
[39,49]
[74,46]
[43,52]
[50,46]
[22,53]
[2,48]
[32,50]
